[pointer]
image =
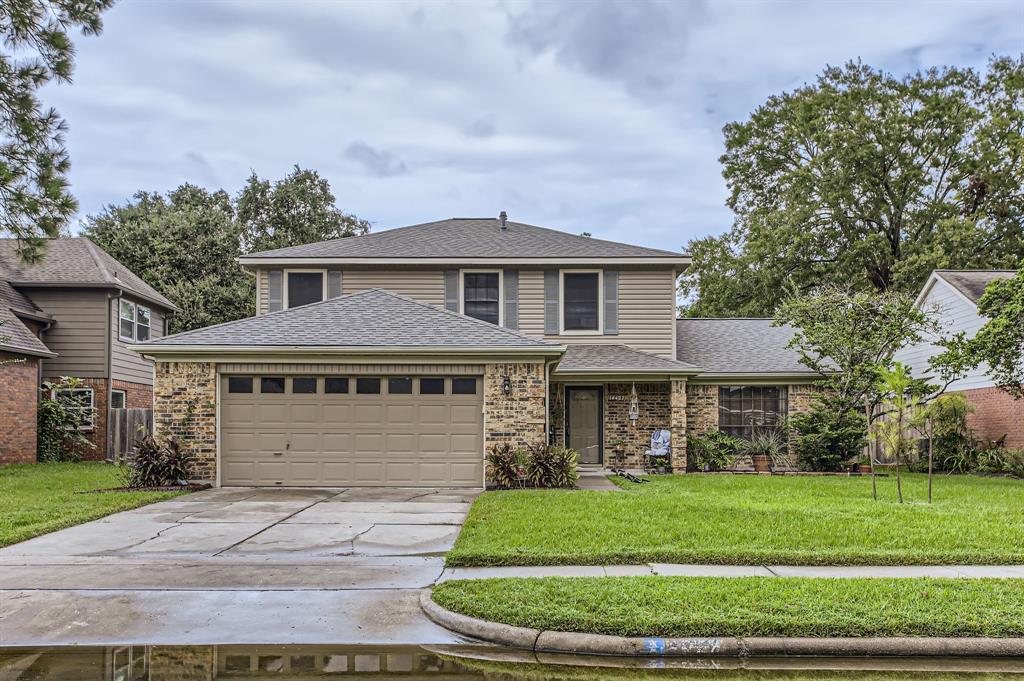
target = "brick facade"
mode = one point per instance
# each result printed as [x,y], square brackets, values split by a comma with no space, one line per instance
[997,414]
[186,407]
[19,400]
[517,418]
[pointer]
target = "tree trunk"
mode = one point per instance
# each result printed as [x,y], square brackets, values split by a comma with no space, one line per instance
[899,446]
[871,451]
[930,435]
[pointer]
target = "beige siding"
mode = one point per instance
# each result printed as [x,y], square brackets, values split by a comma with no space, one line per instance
[262,292]
[126,365]
[420,284]
[78,334]
[647,311]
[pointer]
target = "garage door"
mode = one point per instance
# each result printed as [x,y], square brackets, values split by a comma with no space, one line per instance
[339,431]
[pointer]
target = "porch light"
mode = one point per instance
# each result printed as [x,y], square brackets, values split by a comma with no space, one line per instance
[506,386]
[634,405]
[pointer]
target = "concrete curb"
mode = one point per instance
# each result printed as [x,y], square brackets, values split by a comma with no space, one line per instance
[725,646]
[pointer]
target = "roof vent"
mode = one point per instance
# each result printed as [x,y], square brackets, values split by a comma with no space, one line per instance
[503,219]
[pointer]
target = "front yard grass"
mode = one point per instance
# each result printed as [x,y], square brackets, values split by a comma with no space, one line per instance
[750,520]
[40,498]
[744,606]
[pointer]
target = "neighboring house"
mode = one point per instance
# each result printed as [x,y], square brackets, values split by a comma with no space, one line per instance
[952,297]
[399,357]
[74,313]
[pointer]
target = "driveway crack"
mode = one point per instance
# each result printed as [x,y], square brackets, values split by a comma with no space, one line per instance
[273,524]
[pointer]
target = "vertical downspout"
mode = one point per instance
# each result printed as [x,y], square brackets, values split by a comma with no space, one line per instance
[547,398]
[111,311]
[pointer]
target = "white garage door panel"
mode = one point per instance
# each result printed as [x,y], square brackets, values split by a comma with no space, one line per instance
[285,439]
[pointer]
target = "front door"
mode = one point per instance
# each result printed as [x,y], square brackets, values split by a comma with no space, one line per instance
[583,423]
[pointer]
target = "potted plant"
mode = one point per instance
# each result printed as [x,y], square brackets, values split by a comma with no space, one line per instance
[765,447]
[618,457]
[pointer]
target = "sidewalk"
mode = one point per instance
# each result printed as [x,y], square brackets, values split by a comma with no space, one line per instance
[676,570]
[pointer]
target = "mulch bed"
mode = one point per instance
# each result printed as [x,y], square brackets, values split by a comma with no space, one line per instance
[191,487]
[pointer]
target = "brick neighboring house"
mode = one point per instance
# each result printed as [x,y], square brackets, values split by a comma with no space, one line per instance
[399,357]
[74,313]
[953,296]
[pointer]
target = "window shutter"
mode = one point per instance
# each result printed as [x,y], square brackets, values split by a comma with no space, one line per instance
[551,302]
[333,283]
[611,303]
[511,286]
[451,290]
[275,290]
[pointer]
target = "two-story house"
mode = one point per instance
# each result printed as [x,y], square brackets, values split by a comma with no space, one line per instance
[399,357]
[951,298]
[73,313]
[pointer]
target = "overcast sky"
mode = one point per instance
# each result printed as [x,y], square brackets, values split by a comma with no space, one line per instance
[603,117]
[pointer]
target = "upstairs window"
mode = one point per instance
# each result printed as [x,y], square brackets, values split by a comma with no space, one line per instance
[305,288]
[481,296]
[581,301]
[134,322]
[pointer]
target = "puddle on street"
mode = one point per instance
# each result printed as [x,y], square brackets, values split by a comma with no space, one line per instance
[455,662]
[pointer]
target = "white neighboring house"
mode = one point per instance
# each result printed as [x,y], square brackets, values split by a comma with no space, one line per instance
[953,297]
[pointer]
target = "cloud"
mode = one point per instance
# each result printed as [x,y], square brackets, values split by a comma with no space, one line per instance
[377,162]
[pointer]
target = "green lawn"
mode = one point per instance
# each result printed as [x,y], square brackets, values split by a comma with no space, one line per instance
[745,606]
[747,519]
[40,498]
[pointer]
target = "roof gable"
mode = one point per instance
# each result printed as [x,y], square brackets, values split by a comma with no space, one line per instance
[971,283]
[75,261]
[366,320]
[462,238]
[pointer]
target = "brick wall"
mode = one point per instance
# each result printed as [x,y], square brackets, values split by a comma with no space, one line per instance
[654,413]
[19,398]
[997,414]
[185,396]
[98,435]
[137,395]
[517,418]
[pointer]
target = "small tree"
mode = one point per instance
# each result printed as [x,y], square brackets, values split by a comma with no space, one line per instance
[901,403]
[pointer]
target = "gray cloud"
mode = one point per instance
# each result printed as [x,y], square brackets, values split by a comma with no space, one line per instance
[376,161]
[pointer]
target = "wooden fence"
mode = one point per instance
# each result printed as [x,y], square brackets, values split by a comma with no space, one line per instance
[124,429]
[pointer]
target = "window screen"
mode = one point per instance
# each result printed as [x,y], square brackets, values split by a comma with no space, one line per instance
[272,384]
[118,399]
[304,386]
[368,386]
[142,323]
[126,330]
[305,288]
[334,385]
[239,384]
[431,386]
[480,298]
[744,410]
[463,386]
[580,301]
[400,386]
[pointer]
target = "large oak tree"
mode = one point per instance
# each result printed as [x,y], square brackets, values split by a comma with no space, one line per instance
[866,180]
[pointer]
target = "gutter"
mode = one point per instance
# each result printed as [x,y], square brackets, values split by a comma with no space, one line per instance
[683,260]
[293,350]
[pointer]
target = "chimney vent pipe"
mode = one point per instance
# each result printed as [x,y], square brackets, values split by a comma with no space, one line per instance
[503,219]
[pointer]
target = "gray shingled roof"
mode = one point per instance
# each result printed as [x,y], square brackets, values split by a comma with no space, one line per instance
[737,346]
[972,283]
[371,318]
[617,359]
[75,261]
[467,238]
[14,335]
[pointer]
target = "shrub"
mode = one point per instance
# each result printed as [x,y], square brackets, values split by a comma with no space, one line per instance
[553,467]
[58,437]
[953,442]
[712,451]
[828,438]
[158,465]
[504,463]
[768,442]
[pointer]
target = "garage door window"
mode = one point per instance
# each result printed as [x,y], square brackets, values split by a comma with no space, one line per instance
[463,386]
[400,386]
[304,386]
[431,386]
[368,386]
[272,384]
[239,384]
[335,386]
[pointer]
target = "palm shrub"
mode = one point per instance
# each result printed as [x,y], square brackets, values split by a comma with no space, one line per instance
[158,464]
[504,463]
[828,437]
[712,451]
[553,467]
[768,442]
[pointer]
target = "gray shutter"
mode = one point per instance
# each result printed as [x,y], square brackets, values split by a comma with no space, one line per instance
[333,283]
[451,290]
[551,302]
[511,286]
[275,290]
[611,303]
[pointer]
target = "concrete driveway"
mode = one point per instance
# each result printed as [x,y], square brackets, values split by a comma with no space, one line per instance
[238,565]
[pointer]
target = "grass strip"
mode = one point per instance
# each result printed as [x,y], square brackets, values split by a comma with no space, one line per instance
[745,606]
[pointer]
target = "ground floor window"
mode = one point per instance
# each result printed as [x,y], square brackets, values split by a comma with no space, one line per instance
[745,409]
[80,402]
[118,399]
